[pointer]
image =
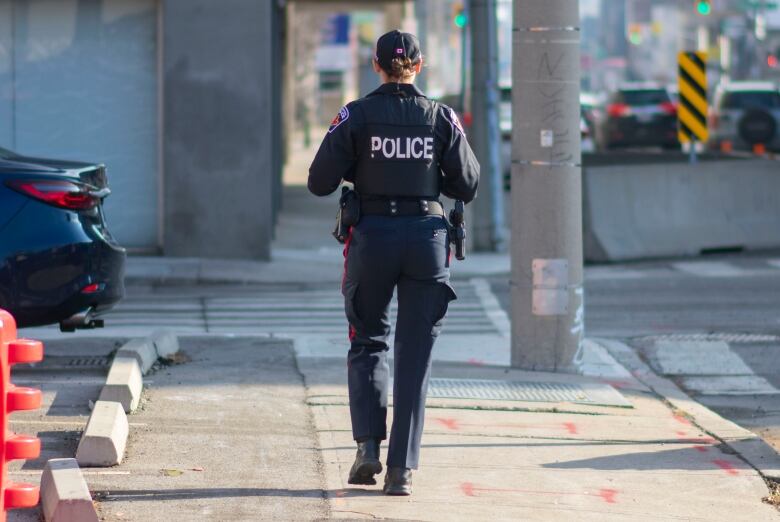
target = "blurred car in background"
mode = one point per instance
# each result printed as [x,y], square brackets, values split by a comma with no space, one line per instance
[639,115]
[674,92]
[745,114]
[592,106]
[58,261]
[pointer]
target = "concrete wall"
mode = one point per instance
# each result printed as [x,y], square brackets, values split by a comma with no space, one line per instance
[663,210]
[219,142]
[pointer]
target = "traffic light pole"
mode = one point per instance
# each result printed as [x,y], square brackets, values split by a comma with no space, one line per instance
[488,208]
[547,272]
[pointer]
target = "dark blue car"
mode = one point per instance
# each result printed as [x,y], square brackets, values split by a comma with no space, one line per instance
[58,261]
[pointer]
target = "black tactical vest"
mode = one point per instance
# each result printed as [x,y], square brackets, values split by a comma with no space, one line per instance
[397,153]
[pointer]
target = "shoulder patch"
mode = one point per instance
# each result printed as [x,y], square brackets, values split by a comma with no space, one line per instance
[340,118]
[454,120]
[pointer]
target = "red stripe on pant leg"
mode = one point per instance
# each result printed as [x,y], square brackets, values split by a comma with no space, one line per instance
[346,253]
[352,332]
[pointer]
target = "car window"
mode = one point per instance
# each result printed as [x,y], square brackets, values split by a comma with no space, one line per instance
[751,100]
[645,97]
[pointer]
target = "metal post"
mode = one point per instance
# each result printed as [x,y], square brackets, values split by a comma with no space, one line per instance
[692,151]
[488,209]
[421,14]
[464,39]
[546,286]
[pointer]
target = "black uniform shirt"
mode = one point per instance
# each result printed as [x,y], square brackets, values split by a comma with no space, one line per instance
[337,156]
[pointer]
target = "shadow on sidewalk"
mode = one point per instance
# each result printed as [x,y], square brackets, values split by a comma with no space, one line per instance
[132,495]
[690,458]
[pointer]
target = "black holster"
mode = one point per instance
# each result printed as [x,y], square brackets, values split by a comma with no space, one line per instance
[348,214]
[457,227]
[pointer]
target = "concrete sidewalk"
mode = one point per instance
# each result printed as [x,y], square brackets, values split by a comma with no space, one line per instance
[257,428]
[514,460]
[226,436]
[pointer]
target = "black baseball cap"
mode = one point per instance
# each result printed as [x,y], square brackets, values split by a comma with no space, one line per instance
[396,44]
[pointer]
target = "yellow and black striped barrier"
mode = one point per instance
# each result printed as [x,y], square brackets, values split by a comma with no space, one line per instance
[692,111]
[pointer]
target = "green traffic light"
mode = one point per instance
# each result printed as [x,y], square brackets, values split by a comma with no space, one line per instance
[460,20]
[704,7]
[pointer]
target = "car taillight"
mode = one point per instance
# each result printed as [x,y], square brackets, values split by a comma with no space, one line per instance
[669,108]
[93,288]
[59,193]
[618,110]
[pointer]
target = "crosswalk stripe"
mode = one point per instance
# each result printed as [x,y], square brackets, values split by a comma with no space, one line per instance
[709,368]
[279,312]
[709,269]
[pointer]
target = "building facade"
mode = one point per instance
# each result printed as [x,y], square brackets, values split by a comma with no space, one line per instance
[181,99]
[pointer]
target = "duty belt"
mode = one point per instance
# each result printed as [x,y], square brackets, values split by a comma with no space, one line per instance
[401,207]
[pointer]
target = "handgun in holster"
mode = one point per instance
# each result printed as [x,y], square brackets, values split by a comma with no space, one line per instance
[458,230]
[348,214]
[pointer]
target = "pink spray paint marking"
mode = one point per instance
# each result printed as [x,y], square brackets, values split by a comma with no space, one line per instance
[453,424]
[476,362]
[701,449]
[468,489]
[607,495]
[681,434]
[617,384]
[450,424]
[682,420]
[726,466]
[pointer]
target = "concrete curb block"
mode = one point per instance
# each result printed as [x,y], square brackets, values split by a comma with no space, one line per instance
[165,343]
[64,493]
[142,350]
[103,442]
[124,383]
[752,448]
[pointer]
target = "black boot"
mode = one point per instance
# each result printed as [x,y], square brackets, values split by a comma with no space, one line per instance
[366,463]
[398,481]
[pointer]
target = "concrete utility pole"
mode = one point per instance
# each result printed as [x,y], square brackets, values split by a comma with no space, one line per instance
[488,208]
[547,294]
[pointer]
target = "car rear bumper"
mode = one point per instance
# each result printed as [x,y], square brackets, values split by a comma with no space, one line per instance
[56,283]
[632,133]
[49,256]
[719,139]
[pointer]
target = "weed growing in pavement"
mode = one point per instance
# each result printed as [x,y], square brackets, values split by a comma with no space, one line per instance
[774,493]
[179,357]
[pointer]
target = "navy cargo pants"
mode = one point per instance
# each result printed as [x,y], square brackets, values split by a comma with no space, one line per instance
[412,254]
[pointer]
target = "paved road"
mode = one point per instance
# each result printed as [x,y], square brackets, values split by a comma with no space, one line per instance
[706,302]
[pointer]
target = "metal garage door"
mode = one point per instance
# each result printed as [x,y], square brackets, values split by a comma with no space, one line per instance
[78,80]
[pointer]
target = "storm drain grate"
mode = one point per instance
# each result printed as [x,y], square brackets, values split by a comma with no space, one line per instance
[710,337]
[73,363]
[506,390]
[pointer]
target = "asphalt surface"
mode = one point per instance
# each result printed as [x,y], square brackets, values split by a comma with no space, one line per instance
[723,295]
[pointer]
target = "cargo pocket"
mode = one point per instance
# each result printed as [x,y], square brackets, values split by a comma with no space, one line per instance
[445,294]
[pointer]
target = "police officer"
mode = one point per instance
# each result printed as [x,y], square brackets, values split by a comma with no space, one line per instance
[401,151]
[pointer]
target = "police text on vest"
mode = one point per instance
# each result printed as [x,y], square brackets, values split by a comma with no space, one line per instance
[402,148]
